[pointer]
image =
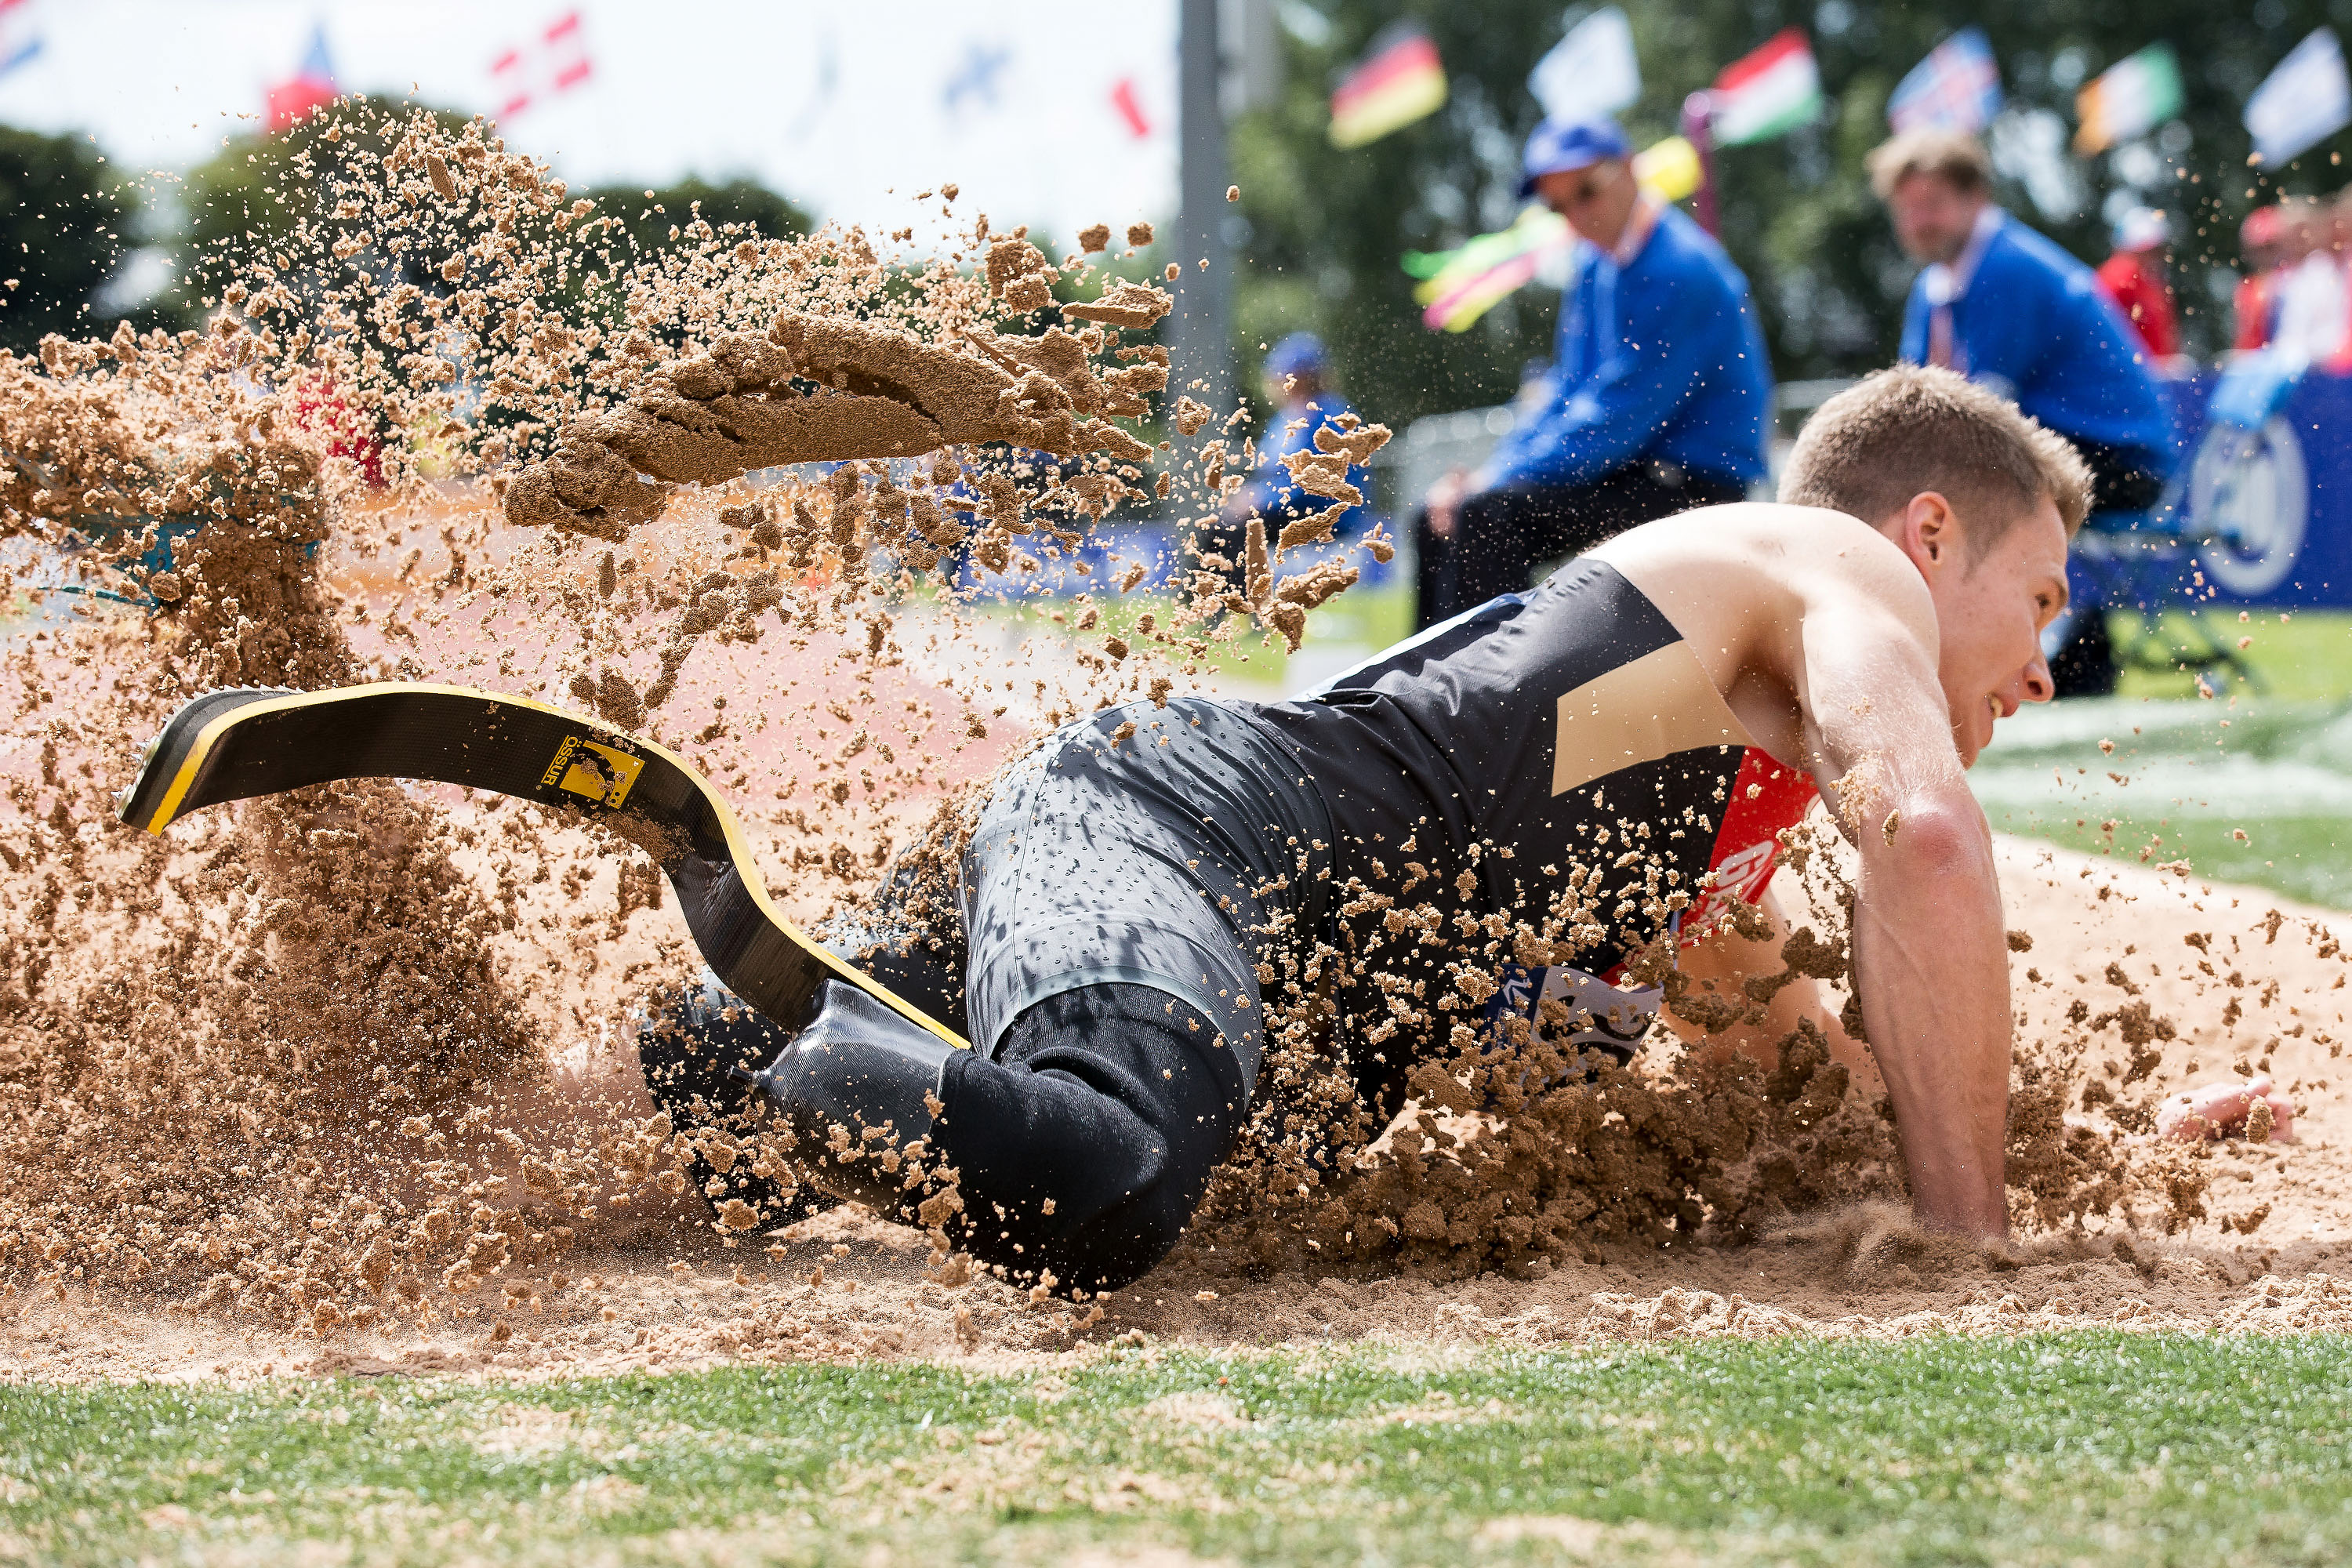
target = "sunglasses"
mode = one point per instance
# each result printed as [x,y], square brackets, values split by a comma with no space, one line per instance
[1589,189]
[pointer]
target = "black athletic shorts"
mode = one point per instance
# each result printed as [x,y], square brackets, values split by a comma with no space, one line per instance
[1179,858]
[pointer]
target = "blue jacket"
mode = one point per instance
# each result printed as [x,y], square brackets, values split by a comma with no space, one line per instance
[1273,494]
[1660,358]
[2028,322]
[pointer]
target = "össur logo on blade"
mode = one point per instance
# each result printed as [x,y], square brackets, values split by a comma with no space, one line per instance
[600,773]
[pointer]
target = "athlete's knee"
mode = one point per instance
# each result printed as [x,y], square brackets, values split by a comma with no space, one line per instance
[1083,1150]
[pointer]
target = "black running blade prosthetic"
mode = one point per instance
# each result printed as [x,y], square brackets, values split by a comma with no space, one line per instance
[238,744]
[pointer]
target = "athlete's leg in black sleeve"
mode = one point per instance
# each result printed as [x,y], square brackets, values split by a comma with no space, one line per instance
[1079,1149]
[1116,900]
[1087,1143]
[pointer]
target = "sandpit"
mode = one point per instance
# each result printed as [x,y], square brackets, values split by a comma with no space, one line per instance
[344,1081]
[2273,1256]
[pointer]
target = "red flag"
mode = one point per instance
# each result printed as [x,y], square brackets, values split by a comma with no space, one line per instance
[1123,99]
[310,87]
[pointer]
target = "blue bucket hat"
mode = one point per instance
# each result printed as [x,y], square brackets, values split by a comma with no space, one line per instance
[1563,146]
[1300,354]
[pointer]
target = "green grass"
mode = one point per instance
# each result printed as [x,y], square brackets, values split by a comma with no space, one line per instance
[2252,785]
[2086,1448]
[2306,658]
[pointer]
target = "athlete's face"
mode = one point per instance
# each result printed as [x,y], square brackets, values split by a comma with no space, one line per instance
[1933,217]
[1989,612]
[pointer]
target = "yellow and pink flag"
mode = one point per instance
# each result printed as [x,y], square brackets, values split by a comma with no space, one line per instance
[1459,286]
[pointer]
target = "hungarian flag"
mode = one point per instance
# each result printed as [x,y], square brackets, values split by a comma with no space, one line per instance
[310,87]
[2128,100]
[1769,93]
[1400,81]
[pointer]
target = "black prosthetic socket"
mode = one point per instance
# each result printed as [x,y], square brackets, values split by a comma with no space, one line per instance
[699,1052]
[1079,1149]
[860,1081]
[1083,1147]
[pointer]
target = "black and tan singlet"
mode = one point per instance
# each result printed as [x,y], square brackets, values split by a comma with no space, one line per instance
[1470,771]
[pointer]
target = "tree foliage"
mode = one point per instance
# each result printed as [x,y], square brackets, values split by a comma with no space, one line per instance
[260,199]
[655,219]
[63,216]
[1326,226]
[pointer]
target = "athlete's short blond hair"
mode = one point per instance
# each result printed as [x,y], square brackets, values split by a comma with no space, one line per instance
[1902,432]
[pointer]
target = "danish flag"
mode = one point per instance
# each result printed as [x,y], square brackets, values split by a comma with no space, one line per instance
[555,61]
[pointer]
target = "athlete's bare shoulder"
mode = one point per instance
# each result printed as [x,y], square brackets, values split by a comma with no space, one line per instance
[1741,581]
[1726,562]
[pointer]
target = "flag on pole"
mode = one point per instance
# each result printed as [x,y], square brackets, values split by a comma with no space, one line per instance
[555,61]
[1956,88]
[1591,73]
[2306,99]
[310,87]
[1769,93]
[20,42]
[1398,80]
[2127,100]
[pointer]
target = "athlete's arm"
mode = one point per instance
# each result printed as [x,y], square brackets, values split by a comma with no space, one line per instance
[1930,954]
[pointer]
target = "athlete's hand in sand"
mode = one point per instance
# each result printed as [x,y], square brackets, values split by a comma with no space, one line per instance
[2217,1110]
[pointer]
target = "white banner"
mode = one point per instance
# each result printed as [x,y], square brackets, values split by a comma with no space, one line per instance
[2305,101]
[1591,73]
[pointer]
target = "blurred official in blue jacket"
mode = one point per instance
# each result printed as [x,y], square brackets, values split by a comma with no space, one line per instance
[2008,309]
[1655,402]
[1298,384]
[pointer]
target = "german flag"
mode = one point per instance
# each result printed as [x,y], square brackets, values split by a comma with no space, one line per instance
[1398,80]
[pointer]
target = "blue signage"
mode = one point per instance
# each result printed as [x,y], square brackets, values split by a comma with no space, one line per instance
[2262,503]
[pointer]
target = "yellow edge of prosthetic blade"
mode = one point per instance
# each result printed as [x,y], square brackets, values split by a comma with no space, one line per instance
[185,778]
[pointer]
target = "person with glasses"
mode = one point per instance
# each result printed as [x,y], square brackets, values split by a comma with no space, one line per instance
[1655,402]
